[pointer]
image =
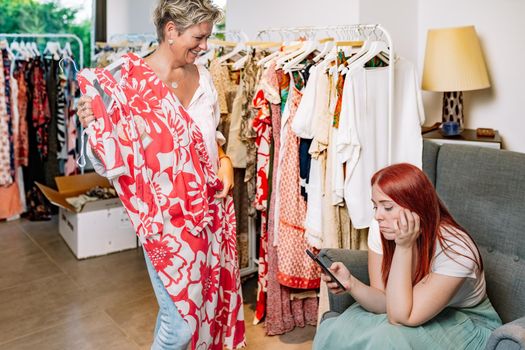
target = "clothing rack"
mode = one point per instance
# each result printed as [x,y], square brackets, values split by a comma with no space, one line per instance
[352,32]
[340,32]
[56,36]
[51,35]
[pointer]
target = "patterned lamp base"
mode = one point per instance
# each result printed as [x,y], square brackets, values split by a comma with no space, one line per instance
[453,107]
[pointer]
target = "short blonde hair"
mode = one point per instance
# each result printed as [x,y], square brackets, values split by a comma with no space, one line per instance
[184,13]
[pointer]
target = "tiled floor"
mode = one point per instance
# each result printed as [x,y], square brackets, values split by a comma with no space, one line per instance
[50,300]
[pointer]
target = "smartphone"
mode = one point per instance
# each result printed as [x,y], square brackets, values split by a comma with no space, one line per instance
[324,267]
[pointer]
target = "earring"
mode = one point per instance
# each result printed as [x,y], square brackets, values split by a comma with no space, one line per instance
[170,41]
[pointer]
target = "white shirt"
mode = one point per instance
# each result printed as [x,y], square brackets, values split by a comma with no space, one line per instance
[362,137]
[473,290]
[204,110]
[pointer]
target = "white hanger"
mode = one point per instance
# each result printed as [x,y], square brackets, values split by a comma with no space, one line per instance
[27,50]
[375,48]
[15,46]
[5,45]
[326,49]
[308,47]
[239,64]
[288,56]
[52,48]
[363,50]
[266,60]
[34,46]
[67,50]
[329,58]
[237,49]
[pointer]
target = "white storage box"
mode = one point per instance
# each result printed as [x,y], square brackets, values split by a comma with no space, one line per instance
[101,227]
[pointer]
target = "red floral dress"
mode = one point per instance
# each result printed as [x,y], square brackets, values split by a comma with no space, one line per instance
[262,124]
[157,159]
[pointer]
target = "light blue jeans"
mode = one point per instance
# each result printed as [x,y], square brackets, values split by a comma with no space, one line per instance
[171,331]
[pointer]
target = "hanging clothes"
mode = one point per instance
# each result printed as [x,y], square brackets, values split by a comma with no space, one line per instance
[283,313]
[22,143]
[188,234]
[51,167]
[362,137]
[250,76]
[71,91]
[6,177]
[262,124]
[296,269]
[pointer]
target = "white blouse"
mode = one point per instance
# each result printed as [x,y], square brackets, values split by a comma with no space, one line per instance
[205,111]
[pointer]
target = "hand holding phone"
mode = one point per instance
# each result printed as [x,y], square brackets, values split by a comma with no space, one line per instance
[325,268]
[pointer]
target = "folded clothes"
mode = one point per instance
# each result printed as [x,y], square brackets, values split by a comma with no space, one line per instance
[94,194]
[102,192]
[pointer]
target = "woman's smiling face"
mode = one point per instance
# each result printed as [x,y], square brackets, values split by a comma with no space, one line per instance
[386,212]
[188,44]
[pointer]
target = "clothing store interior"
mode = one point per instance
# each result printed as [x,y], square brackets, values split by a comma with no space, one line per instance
[326,175]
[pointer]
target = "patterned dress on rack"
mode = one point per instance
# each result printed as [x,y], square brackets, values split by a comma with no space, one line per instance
[283,312]
[22,139]
[262,124]
[296,269]
[159,165]
[5,138]
[40,111]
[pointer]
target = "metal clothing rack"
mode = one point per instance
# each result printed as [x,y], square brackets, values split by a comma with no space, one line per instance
[51,35]
[54,36]
[340,32]
[348,32]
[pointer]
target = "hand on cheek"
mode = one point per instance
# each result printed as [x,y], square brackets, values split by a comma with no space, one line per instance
[407,228]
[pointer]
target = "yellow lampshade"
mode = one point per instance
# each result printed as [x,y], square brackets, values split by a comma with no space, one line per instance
[454,61]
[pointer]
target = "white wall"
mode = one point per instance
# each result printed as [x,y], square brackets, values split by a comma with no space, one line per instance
[499,25]
[129,17]
[399,18]
[253,15]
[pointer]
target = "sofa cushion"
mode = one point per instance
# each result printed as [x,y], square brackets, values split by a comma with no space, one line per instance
[485,191]
[430,152]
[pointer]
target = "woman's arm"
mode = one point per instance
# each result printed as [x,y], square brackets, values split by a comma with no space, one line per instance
[225,172]
[372,297]
[408,305]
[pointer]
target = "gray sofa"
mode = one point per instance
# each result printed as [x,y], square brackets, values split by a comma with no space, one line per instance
[485,191]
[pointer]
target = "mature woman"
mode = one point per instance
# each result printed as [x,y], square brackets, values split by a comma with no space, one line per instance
[427,285]
[157,142]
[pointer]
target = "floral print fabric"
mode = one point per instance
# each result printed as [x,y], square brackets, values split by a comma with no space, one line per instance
[161,170]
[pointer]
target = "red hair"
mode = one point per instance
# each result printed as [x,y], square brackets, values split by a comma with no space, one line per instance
[410,188]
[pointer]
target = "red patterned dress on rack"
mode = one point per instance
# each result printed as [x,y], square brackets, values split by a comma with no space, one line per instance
[296,269]
[262,124]
[156,157]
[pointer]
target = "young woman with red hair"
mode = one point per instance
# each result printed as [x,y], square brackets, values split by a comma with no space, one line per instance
[427,286]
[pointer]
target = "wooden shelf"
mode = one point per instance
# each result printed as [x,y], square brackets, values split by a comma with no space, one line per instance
[467,137]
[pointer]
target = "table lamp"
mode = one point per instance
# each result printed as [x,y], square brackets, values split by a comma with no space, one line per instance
[454,63]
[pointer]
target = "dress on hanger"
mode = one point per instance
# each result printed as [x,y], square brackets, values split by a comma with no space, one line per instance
[282,312]
[166,181]
[362,139]
[296,269]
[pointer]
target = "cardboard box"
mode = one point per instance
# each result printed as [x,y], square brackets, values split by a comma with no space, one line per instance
[100,228]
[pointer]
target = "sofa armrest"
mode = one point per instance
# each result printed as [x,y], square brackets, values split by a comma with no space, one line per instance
[357,262]
[510,336]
